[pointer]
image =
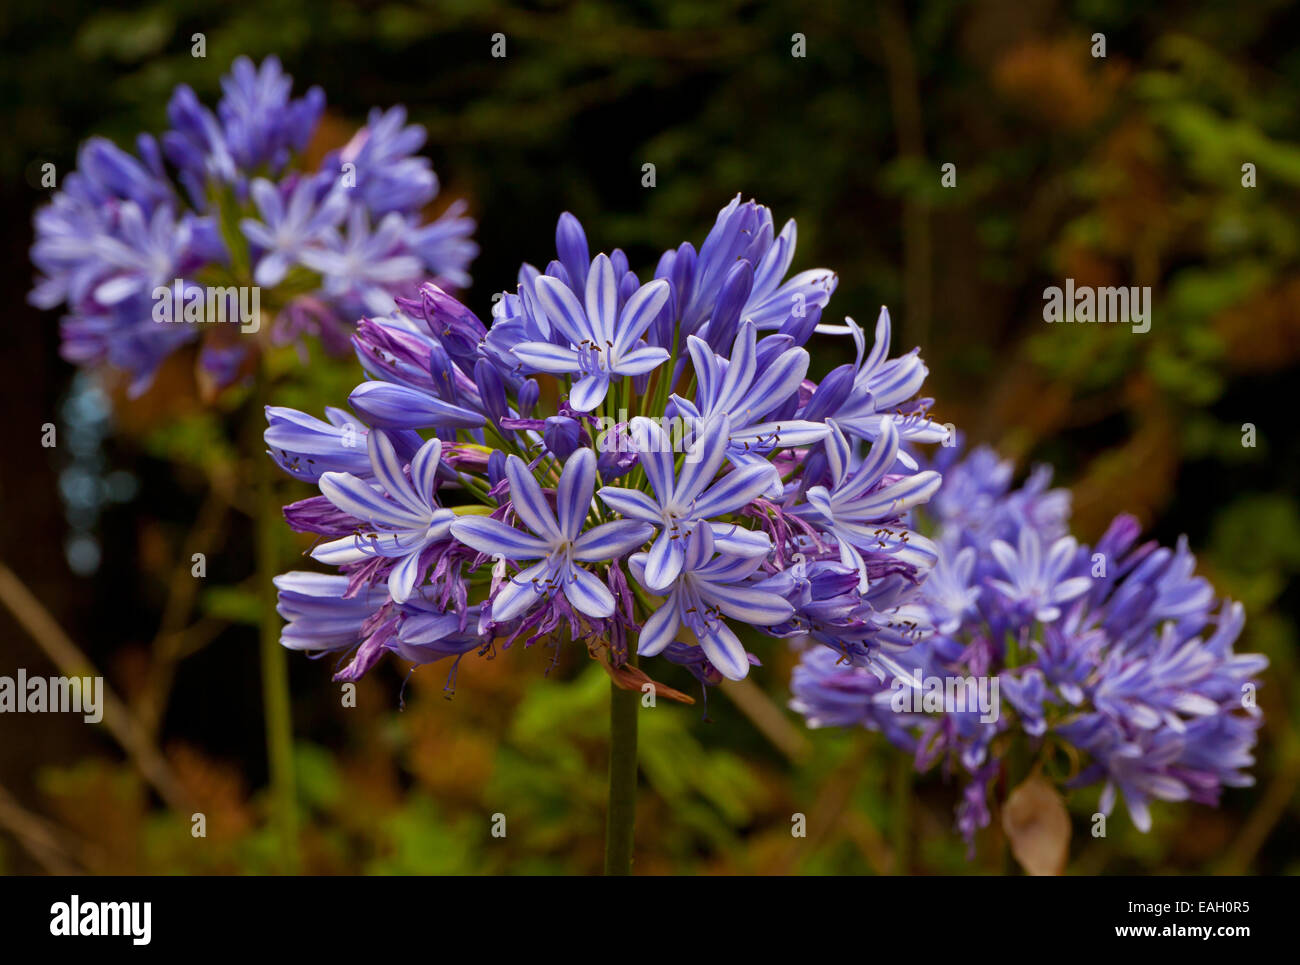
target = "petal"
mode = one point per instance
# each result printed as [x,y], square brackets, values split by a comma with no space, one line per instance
[345,549]
[641,360]
[562,309]
[631,503]
[609,541]
[703,459]
[699,546]
[401,581]
[660,629]
[733,491]
[758,608]
[529,503]
[388,471]
[495,538]
[545,357]
[358,498]
[424,470]
[602,301]
[655,453]
[520,592]
[587,594]
[707,370]
[733,540]
[664,562]
[740,370]
[401,407]
[786,433]
[573,494]
[589,391]
[641,309]
[726,652]
[776,383]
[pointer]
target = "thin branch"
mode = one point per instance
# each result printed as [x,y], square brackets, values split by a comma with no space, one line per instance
[38,837]
[49,636]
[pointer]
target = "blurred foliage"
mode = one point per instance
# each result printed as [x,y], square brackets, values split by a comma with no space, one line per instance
[1123,170]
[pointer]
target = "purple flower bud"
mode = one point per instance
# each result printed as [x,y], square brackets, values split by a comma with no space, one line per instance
[562,436]
[571,245]
[491,390]
[731,299]
[526,397]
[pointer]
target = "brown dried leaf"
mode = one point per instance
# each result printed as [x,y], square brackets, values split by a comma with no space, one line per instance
[634,678]
[1038,827]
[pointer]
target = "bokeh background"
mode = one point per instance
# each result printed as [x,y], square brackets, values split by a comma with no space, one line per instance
[1125,170]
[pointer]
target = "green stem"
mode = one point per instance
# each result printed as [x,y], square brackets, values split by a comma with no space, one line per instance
[275,661]
[621,817]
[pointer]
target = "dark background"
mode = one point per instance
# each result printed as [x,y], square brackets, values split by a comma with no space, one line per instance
[1119,170]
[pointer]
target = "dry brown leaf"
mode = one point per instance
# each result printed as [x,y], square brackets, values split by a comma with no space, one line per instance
[1038,827]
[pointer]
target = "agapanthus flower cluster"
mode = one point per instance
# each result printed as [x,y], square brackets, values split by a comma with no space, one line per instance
[627,462]
[132,244]
[1113,663]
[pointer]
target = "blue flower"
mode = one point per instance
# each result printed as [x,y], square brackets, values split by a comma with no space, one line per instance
[682,500]
[365,265]
[602,342]
[710,586]
[1037,581]
[558,542]
[390,176]
[285,231]
[749,387]
[402,514]
[305,447]
[864,506]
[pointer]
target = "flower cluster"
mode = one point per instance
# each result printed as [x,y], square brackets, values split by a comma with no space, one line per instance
[218,204]
[1116,658]
[616,459]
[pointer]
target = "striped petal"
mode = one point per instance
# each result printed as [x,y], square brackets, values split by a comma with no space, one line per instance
[663,564]
[573,494]
[337,552]
[528,500]
[641,360]
[388,471]
[424,470]
[495,538]
[774,385]
[655,452]
[725,651]
[631,503]
[733,491]
[358,498]
[520,592]
[641,309]
[602,301]
[740,370]
[589,391]
[758,608]
[545,357]
[587,594]
[401,581]
[661,628]
[703,459]
[609,541]
[562,309]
